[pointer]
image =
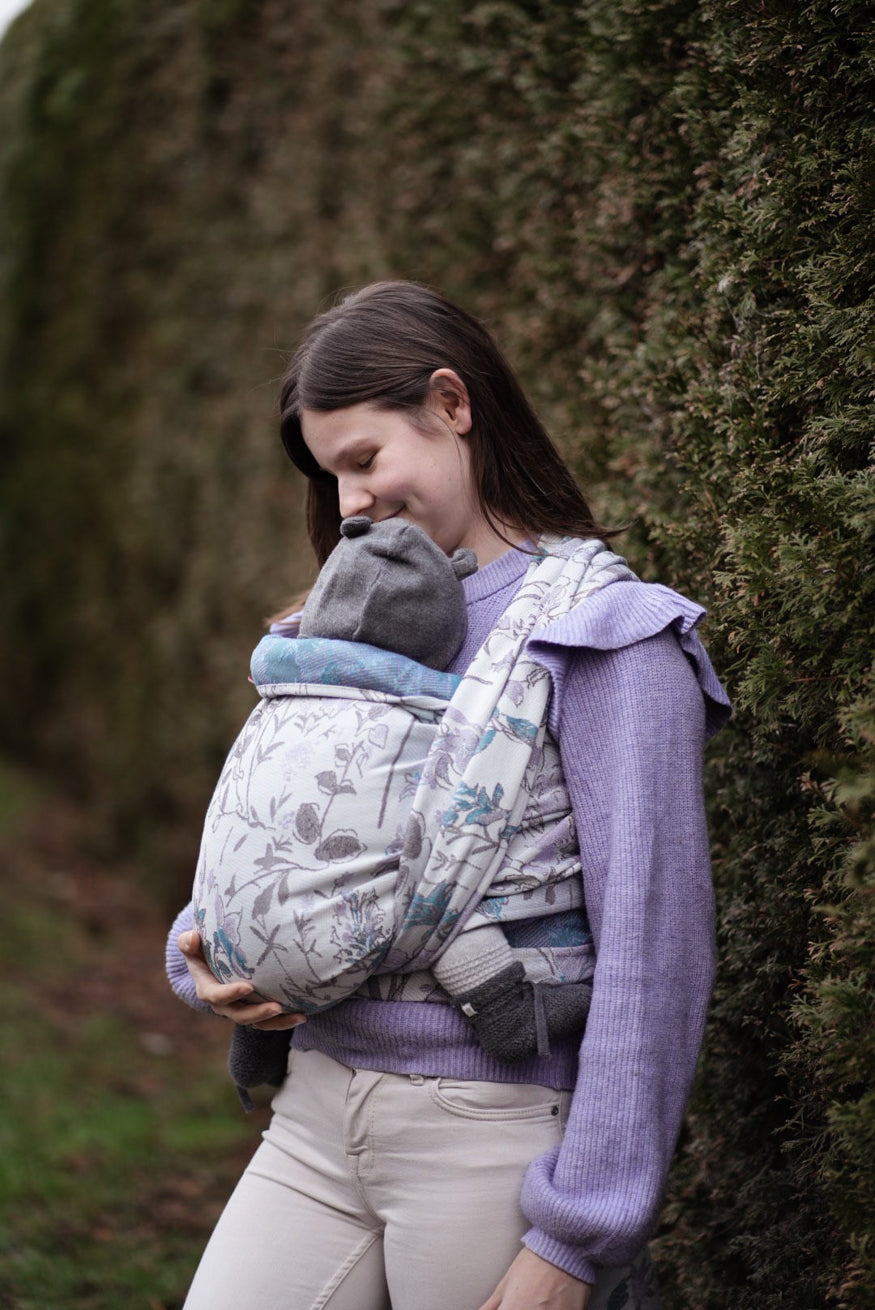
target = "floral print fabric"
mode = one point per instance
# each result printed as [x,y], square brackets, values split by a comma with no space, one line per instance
[354,830]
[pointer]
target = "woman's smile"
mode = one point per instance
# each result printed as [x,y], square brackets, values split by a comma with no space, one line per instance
[386,467]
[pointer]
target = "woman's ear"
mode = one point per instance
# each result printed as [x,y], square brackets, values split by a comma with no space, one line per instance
[450,398]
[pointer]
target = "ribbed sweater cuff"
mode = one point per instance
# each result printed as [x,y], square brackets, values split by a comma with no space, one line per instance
[177,970]
[565,1257]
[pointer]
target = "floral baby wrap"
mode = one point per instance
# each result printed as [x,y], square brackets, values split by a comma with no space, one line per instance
[371,807]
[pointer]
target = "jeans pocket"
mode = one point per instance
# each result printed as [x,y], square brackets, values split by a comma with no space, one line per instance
[494,1102]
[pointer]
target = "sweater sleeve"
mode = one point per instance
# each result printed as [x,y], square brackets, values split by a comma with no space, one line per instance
[630,724]
[174,962]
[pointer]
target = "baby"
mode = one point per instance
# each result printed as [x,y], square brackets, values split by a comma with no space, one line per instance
[296,882]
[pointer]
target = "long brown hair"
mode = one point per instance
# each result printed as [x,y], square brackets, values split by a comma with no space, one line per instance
[382,344]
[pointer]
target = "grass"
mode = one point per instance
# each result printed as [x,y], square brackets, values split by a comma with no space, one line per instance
[120,1134]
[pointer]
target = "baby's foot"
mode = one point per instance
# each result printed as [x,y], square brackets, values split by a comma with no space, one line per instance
[514,1019]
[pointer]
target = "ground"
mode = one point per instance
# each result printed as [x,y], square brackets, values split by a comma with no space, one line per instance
[120,1132]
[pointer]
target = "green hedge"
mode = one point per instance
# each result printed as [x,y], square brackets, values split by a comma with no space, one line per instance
[667,210]
[664,211]
[167,194]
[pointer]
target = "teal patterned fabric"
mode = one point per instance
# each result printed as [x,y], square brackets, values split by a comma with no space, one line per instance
[322,662]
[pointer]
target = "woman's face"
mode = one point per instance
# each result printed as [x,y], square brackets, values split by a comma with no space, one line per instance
[388,468]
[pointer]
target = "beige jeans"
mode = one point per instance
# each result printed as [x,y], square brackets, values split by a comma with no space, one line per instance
[379,1191]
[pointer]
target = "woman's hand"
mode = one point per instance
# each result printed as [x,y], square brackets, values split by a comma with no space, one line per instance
[229,999]
[532,1283]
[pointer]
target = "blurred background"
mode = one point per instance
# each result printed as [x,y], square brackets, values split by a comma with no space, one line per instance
[663,210]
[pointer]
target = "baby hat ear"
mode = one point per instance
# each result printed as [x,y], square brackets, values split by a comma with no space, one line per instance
[464,562]
[356,526]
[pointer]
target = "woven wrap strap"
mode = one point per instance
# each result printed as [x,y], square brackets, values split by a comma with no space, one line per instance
[483,766]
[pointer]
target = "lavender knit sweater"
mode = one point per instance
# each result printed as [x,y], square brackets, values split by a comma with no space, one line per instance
[634,697]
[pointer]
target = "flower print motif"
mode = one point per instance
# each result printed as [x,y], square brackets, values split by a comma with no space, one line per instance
[200,915]
[428,911]
[328,783]
[359,930]
[222,948]
[339,845]
[512,729]
[492,906]
[205,878]
[412,779]
[454,746]
[506,662]
[436,770]
[378,736]
[477,806]
[515,690]
[307,824]
[520,729]
[413,837]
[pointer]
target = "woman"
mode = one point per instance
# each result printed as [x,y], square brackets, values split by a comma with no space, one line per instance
[403,1165]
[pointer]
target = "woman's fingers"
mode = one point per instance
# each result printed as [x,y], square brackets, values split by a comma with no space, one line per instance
[229,999]
[281,1022]
[208,988]
[532,1281]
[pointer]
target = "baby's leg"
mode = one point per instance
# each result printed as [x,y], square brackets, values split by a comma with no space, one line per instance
[475,956]
[513,1018]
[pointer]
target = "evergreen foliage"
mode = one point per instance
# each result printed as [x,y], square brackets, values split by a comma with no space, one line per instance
[664,211]
[170,221]
[675,201]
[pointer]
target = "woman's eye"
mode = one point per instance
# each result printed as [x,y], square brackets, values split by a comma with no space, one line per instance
[366,463]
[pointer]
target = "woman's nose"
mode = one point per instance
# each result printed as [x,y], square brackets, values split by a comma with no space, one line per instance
[353,497]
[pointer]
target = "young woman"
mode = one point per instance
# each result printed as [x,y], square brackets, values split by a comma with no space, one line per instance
[403,1165]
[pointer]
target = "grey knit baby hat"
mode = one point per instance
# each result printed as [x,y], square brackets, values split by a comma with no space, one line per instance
[389,585]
